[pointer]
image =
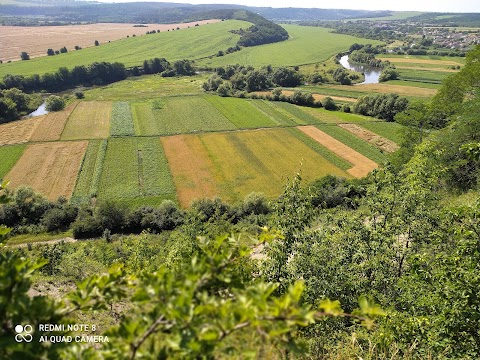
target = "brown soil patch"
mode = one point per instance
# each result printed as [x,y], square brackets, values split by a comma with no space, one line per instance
[191,168]
[361,164]
[375,139]
[35,40]
[317,97]
[420,61]
[52,124]
[50,168]
[18,132]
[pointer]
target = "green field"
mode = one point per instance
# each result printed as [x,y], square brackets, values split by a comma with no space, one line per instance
[148,87]
[242,113]
[8,157]
[90,171]
[135,171]
[426,76]
[121,123]
[178,115]
[193,43]
[307,45]
[389,130]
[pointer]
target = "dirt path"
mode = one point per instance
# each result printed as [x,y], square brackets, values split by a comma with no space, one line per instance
[374,139]
[48,242]
[361,164]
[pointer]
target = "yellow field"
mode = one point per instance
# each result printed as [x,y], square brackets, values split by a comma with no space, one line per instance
[231,165]
[50,168]
[385,88]
[89,120]
[362,164]
[52,124]
[18,132]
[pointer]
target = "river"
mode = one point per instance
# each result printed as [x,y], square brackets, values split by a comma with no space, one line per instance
[372,74]
[40,111]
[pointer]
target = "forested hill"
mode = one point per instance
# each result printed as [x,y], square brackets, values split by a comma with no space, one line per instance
[47,12]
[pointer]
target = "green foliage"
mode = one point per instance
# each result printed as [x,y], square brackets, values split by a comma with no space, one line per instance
[329,104]
[383,106]
[388,73]
[54,103]
[121,123]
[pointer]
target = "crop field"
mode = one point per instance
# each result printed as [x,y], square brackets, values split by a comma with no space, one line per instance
[242,113]
[389,130]
[371,137]
[193,43]
[148,87]
[306,45]
[135,171]
[89,120]
[9,156]
[52,124]
[176,115]
[435,77]
[231,165]
[50,168]
[362,165]
[122,121]
[437,61]
[36,40]
[18,132]
[90,171]
[386,88]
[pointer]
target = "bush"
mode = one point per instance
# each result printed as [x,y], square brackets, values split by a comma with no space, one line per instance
[79,94]
[329,104]
[54,103]
[24,56]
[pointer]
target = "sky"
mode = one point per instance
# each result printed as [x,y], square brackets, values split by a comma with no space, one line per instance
[396,5]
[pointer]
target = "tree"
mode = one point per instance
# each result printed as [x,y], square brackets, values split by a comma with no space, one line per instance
[63,50]
[24,56]
[54,103]
[329,104]
[286,77]
[50,52]
[97,43]
[8,110]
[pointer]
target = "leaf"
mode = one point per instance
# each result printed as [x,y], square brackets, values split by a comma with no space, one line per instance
[331,307]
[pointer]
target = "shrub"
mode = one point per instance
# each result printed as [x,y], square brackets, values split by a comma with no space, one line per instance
[329,104]
[54,103]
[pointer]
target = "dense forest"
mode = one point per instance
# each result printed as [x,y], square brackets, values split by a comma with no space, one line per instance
[385,267]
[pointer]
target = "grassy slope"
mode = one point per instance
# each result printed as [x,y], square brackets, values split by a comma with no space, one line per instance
[306,45]
[192,43]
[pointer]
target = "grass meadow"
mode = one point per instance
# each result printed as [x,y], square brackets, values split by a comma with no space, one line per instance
[307,45]
[193,43]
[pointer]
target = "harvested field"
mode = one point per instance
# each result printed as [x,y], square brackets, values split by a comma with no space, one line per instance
[50,168]
[35,40]
[420,61]
[231,165]
[52,124]
[386,88]
[375,139]
[361,164]
[90,120]
[18,132]
[318,97]
[191,168]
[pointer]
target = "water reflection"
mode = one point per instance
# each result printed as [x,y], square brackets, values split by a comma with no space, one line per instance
[372,74]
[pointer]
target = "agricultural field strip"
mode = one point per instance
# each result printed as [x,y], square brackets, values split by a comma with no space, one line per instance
[232,164]
[121,123]
[89,120]
[135,167]
[50,168]
[362,164]
[18,132]
[369,136]
[9,155]
[53,124]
